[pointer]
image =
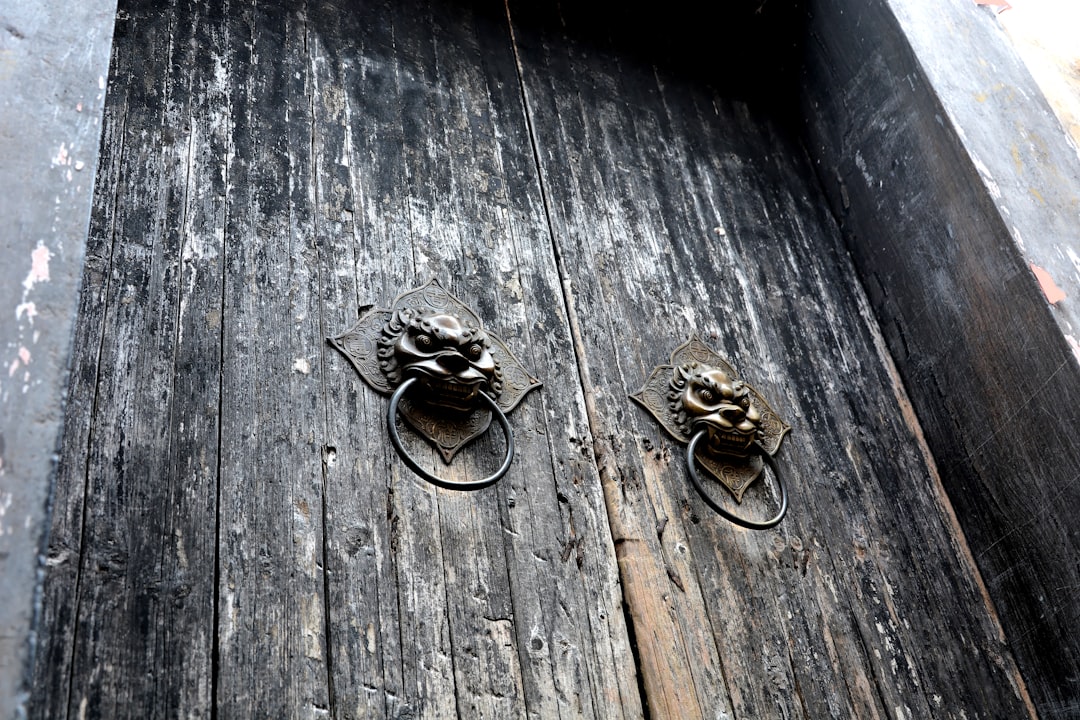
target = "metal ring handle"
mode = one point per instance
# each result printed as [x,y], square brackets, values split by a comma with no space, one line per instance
[751,524]
[434,480]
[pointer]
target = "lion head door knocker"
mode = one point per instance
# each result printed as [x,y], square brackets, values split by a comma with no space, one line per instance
[700,401]
[443,371]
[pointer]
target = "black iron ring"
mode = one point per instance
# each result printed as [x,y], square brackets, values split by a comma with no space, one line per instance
[751,524]
[433,479]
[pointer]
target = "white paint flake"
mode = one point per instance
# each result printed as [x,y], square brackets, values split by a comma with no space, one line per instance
[6,500]
[27,308]
[39,266]
[987,178]
[1075,345]
[62,156]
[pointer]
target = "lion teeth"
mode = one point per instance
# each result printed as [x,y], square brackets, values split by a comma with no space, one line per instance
[453,389]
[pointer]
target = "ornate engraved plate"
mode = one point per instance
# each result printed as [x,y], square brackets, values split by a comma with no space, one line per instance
[665,396]
[430,334]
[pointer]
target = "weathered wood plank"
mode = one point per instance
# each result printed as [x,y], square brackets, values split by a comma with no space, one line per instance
[439,149]
[294,164]
[189,553]
[580,665]
[364,643]
[679,211]
[59,603]
[434,50]
[951,179]
[187,585]
[271,609]
[142,578]
[662,628]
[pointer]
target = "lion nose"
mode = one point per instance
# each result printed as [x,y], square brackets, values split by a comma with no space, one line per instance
[732,413]
[453,362]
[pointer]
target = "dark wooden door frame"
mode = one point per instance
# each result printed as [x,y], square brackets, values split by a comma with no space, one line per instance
[953,181]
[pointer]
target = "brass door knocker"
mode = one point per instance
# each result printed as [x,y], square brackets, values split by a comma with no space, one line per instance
[700,401]
[445,374]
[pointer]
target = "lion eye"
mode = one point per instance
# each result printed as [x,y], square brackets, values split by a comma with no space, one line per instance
[707,395]
[423,341]
[475,351]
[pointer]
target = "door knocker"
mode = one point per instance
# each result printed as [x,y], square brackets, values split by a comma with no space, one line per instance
[700,401]
[445,374]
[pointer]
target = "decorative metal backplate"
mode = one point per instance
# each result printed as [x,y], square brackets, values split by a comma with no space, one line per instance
[666,395]
[431,334]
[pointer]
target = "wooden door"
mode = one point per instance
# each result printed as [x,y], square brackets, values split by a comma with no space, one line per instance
[233,535]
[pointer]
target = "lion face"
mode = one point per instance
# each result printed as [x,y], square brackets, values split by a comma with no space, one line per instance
[450,359]
[705,397]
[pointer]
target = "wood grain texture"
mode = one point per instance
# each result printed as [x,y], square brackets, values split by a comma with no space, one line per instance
[271,625]
[935,194]
[679,211]
[488,598]
[296,165]
[239,536]
[140,576]
[60,587]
